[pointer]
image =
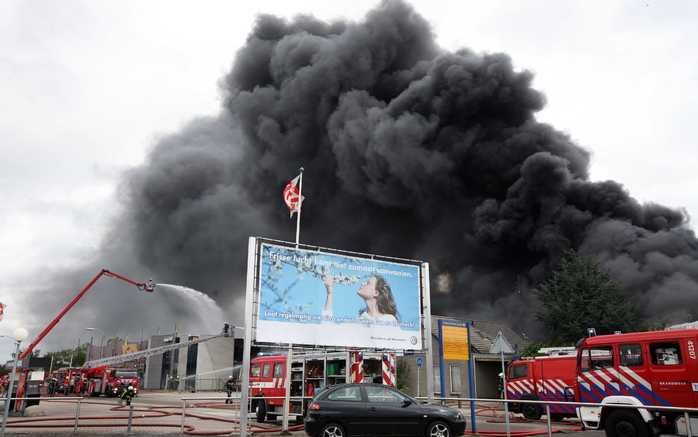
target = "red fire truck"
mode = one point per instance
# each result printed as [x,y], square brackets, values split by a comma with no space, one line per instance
[110,382]
[310,374]
[644,368]
[543,378]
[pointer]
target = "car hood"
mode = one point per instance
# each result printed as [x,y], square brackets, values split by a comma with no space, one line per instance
[433,409]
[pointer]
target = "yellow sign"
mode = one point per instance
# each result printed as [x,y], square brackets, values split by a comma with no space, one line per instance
[128,348]
[455,343]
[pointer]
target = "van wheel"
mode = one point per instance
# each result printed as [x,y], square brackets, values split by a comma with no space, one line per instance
[621,423]
[261,411]
[531,411]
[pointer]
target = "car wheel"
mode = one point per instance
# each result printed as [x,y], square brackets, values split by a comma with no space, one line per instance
[332,430]
[261,411]
[438,429]
[621,423]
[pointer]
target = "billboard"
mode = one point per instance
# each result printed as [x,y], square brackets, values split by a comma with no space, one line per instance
[321,298]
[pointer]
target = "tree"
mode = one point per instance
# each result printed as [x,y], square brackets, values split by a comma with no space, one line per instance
[580,295]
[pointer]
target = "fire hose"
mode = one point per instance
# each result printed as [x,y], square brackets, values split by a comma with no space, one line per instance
[151,412]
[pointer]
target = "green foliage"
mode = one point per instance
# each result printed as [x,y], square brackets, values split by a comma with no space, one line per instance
[62,358]
[579,295]
[403,375]
[532,349]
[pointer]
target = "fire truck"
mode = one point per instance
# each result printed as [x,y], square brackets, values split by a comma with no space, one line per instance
[310,374]
[544,378]
[644,368]
[110,382]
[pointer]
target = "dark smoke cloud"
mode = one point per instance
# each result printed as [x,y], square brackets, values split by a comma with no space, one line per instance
[409,151]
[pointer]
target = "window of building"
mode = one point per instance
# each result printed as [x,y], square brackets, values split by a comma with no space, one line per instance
[351,393]
[278,370]
[456,385]
[665,354]
[595,358]
[518,371]
[254,371]
[630,355]
[437,379]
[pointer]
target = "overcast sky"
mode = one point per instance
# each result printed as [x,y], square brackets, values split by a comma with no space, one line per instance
[87,87]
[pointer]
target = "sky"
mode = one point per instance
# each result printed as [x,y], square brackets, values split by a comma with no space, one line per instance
[88,87]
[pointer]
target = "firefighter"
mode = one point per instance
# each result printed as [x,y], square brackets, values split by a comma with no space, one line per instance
[229,388]
[52,386]
[127,395]
[500,385]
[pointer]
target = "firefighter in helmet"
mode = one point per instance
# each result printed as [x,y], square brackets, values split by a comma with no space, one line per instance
[127,395]
[229,388]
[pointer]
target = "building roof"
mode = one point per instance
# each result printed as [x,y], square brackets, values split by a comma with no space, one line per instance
[484,333]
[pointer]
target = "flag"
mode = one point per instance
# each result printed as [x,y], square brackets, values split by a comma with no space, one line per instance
[2,310]
[291,193]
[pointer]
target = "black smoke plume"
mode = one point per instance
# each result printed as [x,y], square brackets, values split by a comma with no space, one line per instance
[409,150]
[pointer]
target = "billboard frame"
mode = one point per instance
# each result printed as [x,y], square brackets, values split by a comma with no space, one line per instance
[252,309]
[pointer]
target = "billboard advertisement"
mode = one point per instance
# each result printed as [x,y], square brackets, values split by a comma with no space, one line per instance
[322,298]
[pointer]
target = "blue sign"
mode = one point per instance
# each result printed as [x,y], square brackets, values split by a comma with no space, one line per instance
[420,362]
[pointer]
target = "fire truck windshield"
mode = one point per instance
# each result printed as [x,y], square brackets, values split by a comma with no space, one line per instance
[126,374]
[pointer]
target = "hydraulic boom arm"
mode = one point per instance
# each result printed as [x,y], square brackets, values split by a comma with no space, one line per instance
[144,286]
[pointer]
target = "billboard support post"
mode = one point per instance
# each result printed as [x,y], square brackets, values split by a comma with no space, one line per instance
[287,391]
[442,364]
[427,342]
[247,348]
[471,384]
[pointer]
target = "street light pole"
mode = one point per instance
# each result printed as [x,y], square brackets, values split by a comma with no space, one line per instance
[73,352]
[20,334]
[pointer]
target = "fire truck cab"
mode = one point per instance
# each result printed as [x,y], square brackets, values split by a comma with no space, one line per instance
[657,368]
[543,378]
[311,373]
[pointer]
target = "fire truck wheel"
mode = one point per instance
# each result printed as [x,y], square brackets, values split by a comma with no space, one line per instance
[531,411]
[620,423]
[261,411]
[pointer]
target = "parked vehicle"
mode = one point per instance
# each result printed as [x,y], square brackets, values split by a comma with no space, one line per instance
[374,409]
[643,368]
[546,379]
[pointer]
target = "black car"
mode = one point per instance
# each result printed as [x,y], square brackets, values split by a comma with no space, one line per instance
[373,409]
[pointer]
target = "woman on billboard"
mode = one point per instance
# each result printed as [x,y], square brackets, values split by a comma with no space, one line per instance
[377,296]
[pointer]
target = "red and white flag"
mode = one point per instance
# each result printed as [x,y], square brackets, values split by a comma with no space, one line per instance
[2,310]
[292,195]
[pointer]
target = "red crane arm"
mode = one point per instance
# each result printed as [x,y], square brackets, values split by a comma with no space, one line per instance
[145,286]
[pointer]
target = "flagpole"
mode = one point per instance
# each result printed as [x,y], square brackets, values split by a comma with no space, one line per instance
[300,203]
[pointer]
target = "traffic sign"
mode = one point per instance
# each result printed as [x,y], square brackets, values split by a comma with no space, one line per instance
[420,362]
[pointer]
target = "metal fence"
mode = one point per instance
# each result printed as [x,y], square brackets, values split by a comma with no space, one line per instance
[186,403]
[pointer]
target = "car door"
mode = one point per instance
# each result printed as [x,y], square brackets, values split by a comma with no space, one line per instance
[389,412]
[347,406]
[670,377]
